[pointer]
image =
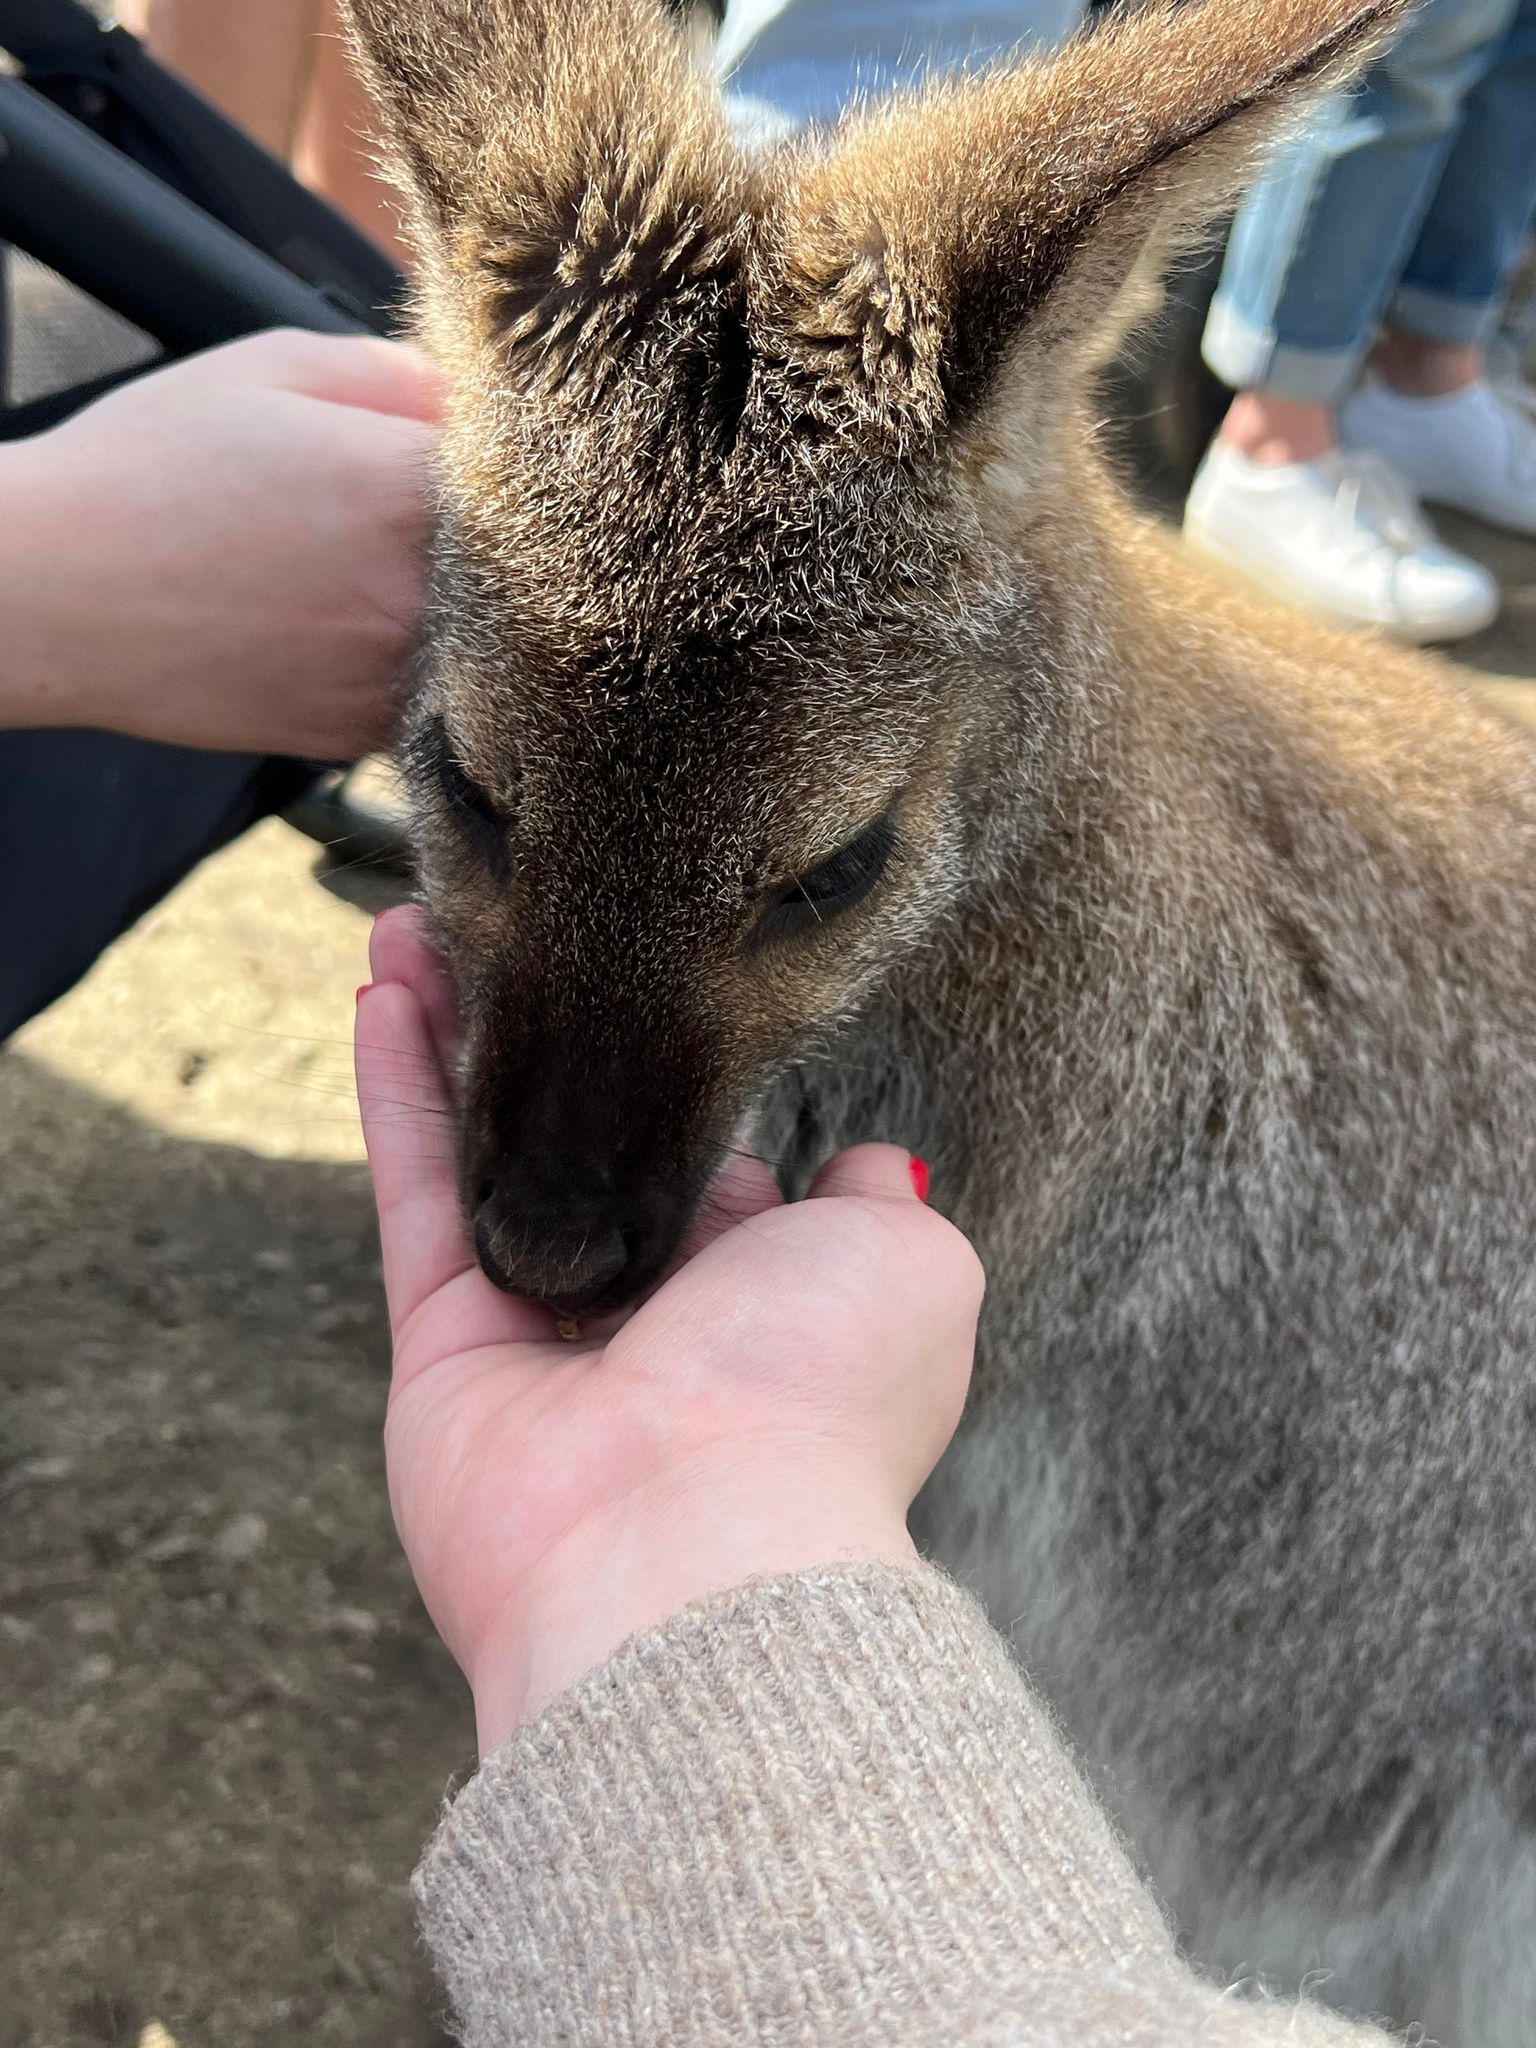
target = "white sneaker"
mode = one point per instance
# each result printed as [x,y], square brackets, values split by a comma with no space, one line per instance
[1341,536]
[1475,450]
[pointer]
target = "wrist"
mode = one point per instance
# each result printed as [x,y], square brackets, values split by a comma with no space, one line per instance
[639,1563]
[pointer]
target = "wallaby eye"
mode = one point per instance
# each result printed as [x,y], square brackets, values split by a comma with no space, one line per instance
[833,885]
[467,802]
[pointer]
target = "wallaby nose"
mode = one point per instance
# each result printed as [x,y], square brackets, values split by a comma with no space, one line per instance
[573,1259]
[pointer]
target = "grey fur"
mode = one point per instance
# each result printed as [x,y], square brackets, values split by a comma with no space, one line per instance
[1206,976]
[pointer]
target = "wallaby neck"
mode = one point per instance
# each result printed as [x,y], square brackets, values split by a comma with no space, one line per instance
[1096,959]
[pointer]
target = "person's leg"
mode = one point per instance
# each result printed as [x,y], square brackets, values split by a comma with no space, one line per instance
[1453,282]
[332,153]
[1315,252]
[281,70]
[1322,240]
[1428,406]
[94,829]
[790,62]
[251,60]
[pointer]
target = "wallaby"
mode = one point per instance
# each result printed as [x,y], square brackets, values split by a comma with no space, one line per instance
[811,744]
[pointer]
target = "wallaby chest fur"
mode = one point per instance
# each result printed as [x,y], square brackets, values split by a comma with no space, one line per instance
[810,740]
[1230,1076]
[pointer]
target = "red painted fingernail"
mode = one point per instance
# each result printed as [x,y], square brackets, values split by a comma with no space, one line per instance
[918,1168]
[367,985]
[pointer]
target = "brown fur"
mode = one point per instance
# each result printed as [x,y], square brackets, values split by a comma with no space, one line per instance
[1203,968]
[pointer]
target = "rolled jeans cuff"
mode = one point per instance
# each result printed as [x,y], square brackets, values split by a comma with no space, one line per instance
[1254,359]
[1460,323]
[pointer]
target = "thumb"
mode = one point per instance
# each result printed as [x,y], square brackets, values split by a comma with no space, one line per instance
[365,371]
[884,1171]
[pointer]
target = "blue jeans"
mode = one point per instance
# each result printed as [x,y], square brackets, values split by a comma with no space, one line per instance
[788,62]
[1407,203]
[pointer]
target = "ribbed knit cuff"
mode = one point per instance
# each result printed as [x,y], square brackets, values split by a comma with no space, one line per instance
[821,1808]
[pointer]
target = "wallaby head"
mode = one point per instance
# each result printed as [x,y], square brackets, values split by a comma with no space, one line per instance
[740,671]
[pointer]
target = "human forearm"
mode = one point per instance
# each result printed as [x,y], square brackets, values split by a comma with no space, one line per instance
[825,1807]
[829,1798]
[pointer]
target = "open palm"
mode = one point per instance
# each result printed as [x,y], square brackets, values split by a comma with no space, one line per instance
[776,1403]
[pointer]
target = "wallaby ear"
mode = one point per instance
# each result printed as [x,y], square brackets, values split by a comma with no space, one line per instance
[938,233]
[563,161]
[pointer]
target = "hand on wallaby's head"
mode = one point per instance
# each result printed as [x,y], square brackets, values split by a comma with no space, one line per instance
[732,689]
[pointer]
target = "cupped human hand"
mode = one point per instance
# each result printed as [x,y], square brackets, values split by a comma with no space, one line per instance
[227,553]
[774,1405]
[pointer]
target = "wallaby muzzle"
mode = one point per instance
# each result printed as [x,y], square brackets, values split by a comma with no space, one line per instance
[582,1172]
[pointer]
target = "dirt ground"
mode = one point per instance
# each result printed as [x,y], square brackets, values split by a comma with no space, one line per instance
[225,1725]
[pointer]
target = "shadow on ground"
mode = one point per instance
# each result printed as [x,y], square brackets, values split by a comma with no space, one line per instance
[225,1725]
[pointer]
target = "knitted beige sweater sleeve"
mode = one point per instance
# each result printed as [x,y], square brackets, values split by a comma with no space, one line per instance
[822,1810]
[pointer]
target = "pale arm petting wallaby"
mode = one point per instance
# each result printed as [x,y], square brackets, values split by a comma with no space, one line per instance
[821,1809]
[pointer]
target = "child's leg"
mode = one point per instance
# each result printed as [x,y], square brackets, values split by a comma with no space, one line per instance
[333,153]
[252,60]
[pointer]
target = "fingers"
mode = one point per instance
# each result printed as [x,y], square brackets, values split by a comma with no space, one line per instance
[409,1130]
[863,1237]
[361,370]
[938,1265]
[743,1188]
[860,1305]
[885,1171]
[367,371]
[400,949]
